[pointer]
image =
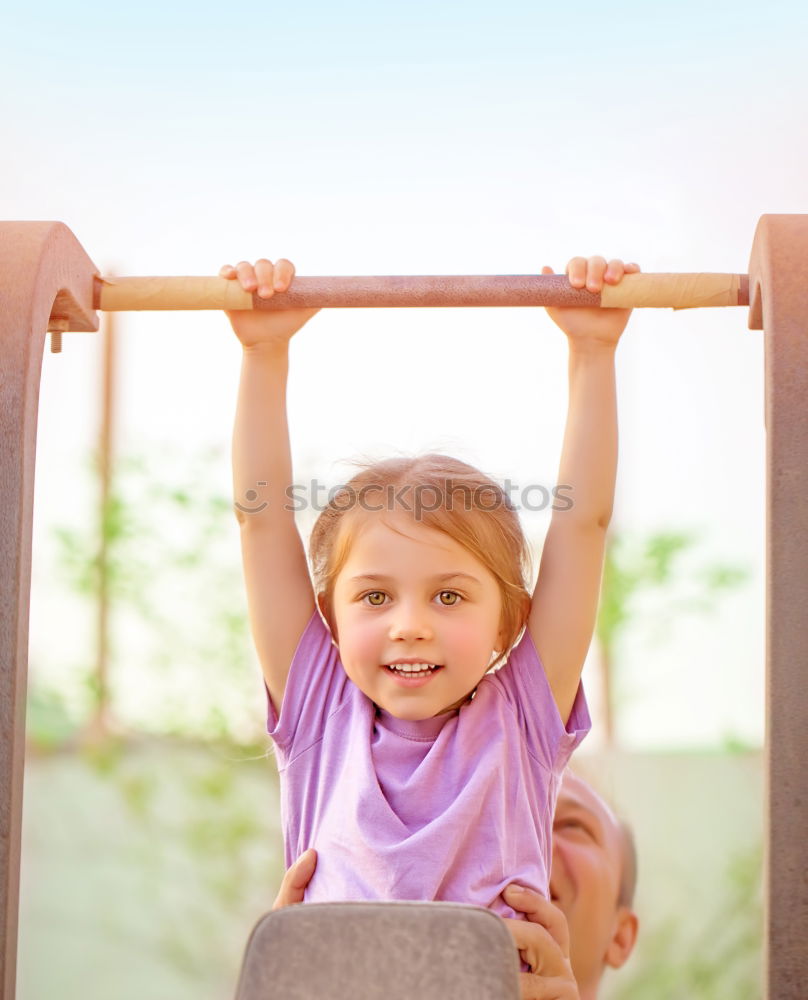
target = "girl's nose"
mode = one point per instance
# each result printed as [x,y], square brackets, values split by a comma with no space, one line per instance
[410,624]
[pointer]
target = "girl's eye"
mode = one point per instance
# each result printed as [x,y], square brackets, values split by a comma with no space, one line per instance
[453,598]
[375,598]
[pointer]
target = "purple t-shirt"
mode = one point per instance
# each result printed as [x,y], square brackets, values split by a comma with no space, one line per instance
[449,808]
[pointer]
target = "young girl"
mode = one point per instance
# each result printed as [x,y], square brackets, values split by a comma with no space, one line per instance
[414,772]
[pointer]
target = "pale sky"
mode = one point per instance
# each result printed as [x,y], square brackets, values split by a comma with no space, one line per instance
[465,138]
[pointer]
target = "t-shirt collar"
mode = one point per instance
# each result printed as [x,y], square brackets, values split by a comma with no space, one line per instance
[414,729]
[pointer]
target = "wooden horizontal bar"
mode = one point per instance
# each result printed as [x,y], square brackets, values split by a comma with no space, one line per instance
[674,291]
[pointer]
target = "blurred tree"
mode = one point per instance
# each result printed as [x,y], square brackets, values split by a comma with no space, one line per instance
[710,953]
[635,566]
[168,570]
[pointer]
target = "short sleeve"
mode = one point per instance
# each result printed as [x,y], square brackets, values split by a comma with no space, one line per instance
[315,689]
[523,683]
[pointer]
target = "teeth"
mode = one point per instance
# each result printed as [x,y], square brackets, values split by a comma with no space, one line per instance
[411,668]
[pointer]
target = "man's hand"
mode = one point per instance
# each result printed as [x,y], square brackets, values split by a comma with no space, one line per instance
[293,887]
[543,942]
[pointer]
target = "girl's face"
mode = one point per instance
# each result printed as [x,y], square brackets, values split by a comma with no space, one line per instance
[412,593]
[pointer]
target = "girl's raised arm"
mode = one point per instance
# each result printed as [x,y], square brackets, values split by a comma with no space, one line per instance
[280,596]
[565,601]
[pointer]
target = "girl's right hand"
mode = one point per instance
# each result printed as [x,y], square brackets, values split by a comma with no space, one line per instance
[265,328]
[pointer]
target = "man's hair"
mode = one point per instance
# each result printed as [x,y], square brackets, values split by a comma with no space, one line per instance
[628,874]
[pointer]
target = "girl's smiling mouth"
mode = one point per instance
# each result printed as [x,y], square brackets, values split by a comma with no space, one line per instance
[412,674]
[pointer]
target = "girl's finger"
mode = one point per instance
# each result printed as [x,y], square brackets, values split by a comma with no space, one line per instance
[576,272]
[547,270]
[284,272]
[246,275]
[633,268]
[614,271]
[595,269]
[265,276]
[227,271]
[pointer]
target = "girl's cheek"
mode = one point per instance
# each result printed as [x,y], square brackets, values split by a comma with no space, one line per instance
[361,639]
[470,644]
[466,635]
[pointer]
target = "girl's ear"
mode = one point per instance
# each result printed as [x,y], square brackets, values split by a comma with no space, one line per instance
[500,645]
[321,606]
[526,602]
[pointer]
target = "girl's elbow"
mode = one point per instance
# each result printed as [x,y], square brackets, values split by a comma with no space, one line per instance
[604,519]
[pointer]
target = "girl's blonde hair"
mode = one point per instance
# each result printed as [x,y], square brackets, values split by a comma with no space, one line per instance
[441,493]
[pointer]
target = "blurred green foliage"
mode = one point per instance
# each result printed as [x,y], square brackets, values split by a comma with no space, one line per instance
[712,952]
[650,581]
[636,565]
[147,865]
[179,633]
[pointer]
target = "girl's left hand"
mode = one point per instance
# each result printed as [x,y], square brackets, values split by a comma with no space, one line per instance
[593,325]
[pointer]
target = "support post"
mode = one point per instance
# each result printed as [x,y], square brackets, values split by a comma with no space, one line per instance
[778,284]
[46,281]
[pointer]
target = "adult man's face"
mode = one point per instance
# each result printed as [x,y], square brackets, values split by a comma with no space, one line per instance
[589,855]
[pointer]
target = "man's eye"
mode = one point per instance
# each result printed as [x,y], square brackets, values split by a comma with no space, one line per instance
[375,598]
[454,598]
[571,824]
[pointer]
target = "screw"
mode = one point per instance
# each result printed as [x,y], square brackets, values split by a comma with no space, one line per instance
[56,326]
